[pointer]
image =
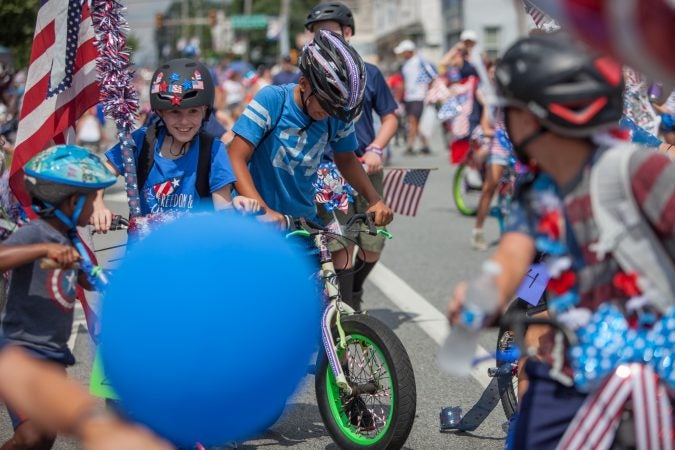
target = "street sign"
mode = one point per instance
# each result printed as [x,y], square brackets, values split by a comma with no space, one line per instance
[256,21]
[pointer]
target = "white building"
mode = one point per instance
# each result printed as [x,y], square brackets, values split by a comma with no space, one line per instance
[495,22]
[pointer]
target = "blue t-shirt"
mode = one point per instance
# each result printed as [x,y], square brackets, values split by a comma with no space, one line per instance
[171,184]
[377,98]
[284,165]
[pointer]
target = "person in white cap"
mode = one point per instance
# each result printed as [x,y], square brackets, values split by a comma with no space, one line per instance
[417,75]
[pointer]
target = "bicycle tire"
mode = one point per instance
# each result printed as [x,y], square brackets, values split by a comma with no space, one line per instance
[362,330]
[508,384]
[459,185]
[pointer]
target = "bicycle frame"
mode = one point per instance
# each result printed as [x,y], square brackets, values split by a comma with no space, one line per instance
[334,309]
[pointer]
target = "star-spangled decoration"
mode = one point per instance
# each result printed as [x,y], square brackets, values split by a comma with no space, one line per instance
[187,84]
[174,77]
[175,100]
[175,182]
[72,35]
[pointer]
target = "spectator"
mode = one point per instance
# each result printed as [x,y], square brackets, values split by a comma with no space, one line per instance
[417,74]
[288,73]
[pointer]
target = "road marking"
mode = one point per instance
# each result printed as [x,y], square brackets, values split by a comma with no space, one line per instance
[425,315]
[78,319]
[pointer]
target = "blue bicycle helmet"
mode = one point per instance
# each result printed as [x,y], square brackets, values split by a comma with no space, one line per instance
[61,171]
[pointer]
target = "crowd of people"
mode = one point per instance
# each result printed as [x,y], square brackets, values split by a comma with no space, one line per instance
[234,137]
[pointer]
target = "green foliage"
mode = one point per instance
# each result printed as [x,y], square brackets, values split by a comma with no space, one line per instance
[18,25]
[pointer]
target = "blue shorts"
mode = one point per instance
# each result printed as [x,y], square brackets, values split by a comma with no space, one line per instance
[546,411]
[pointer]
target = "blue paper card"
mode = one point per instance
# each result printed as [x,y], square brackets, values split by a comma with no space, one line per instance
[534,284]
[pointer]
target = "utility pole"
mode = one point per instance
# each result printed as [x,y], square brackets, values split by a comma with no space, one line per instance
[184,15]
[284,45]
[248,7]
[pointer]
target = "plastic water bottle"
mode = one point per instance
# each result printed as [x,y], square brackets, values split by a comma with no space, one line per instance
[456,353]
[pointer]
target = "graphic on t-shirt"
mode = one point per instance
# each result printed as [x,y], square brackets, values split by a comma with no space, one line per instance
[168,195]
[62,287]
[292,153]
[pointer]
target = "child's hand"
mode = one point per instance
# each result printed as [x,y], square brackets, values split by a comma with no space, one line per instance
[101,218]
[65,255]
[373,162]
[245,204]
[383,214]
[274,217]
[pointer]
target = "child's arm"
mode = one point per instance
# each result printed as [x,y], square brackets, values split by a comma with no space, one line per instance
[240,152]
[350,167]
[13,256]
[43,392]
[222,199]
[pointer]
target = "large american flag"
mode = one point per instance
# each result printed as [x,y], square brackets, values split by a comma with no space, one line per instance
[403,189]
[61,82]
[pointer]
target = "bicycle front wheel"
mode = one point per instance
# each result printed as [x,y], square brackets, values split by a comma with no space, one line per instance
[380,411]
[507,381]
[466,189]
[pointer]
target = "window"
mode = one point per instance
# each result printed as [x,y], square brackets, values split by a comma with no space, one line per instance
[492,41]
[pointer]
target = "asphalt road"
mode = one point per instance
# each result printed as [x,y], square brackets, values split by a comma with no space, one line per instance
[409,292]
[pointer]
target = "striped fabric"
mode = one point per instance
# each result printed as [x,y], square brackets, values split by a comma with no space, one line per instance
[403,189]
[61,82]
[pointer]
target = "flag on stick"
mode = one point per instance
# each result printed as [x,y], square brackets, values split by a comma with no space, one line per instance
[61,82]
[403,189]
[541,20]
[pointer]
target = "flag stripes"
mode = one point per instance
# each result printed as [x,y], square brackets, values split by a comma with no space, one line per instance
[403,189]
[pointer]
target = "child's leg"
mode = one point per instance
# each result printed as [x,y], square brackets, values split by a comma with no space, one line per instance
[28,435]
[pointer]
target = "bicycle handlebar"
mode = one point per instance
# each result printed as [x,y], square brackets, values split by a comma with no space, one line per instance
[518,323]
[118,222]
[301,226]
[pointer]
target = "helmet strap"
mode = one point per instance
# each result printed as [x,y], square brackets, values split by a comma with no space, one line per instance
[304,102]
[70,222]
[519,148]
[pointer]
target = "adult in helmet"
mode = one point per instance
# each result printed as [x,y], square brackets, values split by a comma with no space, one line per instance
[62,183]
[280,137]
[559,102]
[181,94]
[338,17]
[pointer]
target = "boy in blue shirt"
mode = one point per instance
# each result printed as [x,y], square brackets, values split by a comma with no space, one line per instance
[62,183]
[182,94]
[280,138]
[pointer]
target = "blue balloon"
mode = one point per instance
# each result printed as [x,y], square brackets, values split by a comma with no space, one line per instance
[208,326]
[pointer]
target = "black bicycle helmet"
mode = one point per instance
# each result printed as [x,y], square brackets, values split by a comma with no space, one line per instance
[181,83]
[336,74]
[574,93]
[336,11]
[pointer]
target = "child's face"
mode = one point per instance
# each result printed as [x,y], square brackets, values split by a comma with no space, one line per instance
[314,108]
[183,124]
[87,210]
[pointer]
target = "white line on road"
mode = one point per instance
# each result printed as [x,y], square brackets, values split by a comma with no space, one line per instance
[424,314]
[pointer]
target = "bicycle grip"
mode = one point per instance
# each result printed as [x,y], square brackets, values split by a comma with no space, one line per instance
[50,264]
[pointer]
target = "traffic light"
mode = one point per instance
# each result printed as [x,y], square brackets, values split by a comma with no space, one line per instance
[213,18]
[159,21]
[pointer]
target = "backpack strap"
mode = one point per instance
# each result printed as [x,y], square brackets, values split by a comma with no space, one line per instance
[623,230]
[204,168]
[146,157]
[278,119]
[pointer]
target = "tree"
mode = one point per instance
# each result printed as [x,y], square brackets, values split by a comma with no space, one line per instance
[18,25]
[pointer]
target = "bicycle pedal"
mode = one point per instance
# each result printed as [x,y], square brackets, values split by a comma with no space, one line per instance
[450,418]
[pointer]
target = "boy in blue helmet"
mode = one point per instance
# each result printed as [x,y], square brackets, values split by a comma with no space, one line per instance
[62,182]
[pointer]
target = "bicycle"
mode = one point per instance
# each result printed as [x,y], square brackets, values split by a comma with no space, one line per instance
[365,384]
[467,183]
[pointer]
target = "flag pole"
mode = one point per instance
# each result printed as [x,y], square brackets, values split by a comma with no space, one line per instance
[115,75]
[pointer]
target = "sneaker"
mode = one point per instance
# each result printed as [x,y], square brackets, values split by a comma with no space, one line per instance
[359,415]
[425,151]
[478,240]
[409,152]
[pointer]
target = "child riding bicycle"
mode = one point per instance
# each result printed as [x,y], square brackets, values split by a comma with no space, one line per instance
[62,182]
[281,135]
[338,17]
[557,100]
[170,172]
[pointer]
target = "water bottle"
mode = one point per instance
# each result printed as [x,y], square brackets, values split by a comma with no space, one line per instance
[456,353]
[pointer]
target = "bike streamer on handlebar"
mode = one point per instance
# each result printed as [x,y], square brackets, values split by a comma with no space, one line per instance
[119,99]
